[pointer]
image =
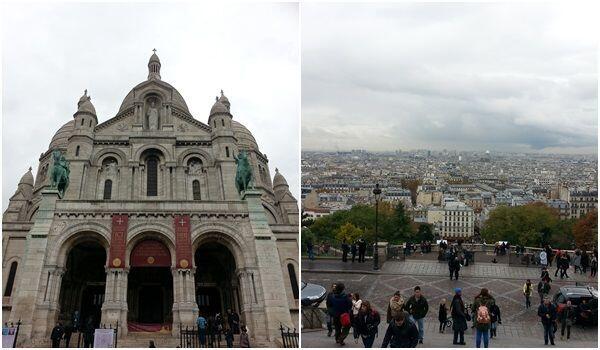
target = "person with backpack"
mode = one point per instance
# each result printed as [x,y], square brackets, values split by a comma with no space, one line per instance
[443,315]
[527,291]
[202,325]
[395,306]
[366,324]
[547,314]
[459,317]
[417,308]
[566,317]
[482,304]
[401,333]
[342,307]
[496,320]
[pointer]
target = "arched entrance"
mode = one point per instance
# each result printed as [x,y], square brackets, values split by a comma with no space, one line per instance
[217,287]
[83,284]
[150,287]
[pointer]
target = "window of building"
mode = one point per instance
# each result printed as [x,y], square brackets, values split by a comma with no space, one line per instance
[293,280]
[227,152]
[90,123]
[107,189]
[11,279]
[196,189]
[77,151]
[82,121]
[223,122]
[152,176]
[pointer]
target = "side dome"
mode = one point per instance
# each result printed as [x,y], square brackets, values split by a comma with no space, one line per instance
[218,108]
[85,104]
[279,180]
[244,136]
[61,138]
[27,178]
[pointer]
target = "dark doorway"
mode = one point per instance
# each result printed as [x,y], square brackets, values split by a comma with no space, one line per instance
[150,295]
[216,282]
[83,284]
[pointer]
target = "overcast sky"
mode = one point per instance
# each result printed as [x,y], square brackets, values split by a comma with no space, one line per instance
[506,77]
[52,52]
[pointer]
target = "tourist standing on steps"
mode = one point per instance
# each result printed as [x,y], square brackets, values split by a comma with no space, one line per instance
[57,334]
[366,324]
[566,317]
[345,250]
[527,291]
[342,307]
[353,250]
[310,249]
[459,318]
[234,321]
[229,337]
[202,323]
[547,314]
[417,308]
[401,333]
[362,249]
[244,338]
[395,306]
[88,333]
[482,304]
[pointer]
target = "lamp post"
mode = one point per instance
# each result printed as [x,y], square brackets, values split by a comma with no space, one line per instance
[377,193]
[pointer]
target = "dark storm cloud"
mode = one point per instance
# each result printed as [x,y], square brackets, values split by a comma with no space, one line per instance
[458,76]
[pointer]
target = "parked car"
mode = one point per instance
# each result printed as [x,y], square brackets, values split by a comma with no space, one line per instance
[312,294]
[576,294]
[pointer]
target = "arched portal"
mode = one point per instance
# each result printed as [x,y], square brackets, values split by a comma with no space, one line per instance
[150,287]
[83,283]
[217,287]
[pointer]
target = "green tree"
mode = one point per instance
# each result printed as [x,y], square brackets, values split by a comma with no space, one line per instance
[425,233]
[585,230]
[348,232]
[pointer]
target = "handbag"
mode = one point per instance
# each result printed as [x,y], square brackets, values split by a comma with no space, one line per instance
[345,319]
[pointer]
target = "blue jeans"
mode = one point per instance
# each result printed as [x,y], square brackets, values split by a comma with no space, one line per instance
[202,336]
[420,322]
[548,333]
[486,338]
[368,341]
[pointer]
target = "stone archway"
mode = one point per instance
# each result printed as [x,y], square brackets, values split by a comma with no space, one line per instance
[83,282]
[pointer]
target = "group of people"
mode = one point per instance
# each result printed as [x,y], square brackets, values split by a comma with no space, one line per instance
[359,247]
[581,261]
[65,331]
[212,328]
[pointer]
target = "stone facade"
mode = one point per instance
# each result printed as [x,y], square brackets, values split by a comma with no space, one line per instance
[149,166]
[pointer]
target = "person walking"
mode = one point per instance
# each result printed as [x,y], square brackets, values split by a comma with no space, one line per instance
[547,314]
[496,320]
[417,308]
[244,338]
[202,325]
[443,315]
[593,266]
[330,310]
[566,317]
[576,262]
[401,333]
[527,291]
[459,318]
[362,249]
[543,289]
[342,307]
[564,263]
[366,324]
[356,304]
[482,304]
[345,250]
[558,260]
[454,266]
[545,276]
[57,333]
[585,261]
[395,306]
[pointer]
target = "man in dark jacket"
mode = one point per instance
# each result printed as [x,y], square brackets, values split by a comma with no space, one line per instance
[345,250]
[353,250]
[566,317]
[459,318]
[401,333]
[68,333]
[366,324]
[57,334]
[454,266]
[340,304]
[362,248]
[330,310]
[417,308]
[547,314]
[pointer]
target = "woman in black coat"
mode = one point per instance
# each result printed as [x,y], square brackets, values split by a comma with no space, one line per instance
[459,318]
[366,324]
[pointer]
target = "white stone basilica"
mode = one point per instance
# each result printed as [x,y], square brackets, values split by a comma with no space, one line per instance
[151,229]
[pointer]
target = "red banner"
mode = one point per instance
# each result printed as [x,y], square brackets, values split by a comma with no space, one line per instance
[148,327]
[183,241]
[150,253]
[118,240]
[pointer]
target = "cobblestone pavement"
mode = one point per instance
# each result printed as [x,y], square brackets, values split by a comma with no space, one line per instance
[520,326]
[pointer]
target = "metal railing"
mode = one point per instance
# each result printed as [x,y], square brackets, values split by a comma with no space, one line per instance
[289,337]
[189,337]
[81,336]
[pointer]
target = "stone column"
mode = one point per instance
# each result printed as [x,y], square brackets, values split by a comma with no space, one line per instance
[268,279]
[185,309]
[114,308]
[24,302]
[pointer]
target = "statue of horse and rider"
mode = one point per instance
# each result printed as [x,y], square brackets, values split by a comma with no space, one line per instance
[59,176]
[243,176]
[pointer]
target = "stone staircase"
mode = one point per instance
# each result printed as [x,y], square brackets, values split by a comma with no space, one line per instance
[142,340]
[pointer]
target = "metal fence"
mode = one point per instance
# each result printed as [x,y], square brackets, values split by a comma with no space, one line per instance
[190,337]
[81,336]
[12,325]
[289,337]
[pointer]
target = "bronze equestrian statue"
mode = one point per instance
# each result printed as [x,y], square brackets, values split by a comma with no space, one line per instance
[60,173]
[243,176]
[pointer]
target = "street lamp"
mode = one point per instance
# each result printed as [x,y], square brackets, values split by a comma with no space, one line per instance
[377,193]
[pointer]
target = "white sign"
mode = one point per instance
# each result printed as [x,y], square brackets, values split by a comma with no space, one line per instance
[104,338]
[8,336]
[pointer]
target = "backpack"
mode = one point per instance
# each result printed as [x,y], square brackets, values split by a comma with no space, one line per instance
[345,319]
[483,315]
[201,323]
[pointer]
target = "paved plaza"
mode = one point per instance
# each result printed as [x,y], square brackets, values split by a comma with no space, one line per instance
[520,327]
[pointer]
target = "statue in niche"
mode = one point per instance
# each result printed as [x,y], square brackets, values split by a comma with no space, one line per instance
[152,116]
[195,167]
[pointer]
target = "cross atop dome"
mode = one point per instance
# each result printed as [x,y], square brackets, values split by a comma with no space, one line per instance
[154,66]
